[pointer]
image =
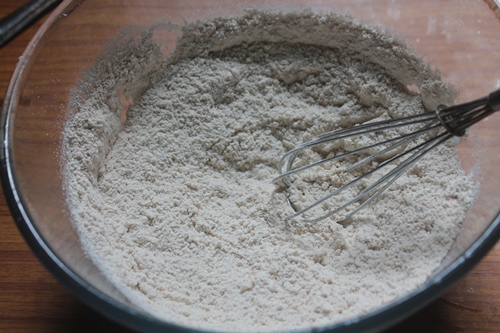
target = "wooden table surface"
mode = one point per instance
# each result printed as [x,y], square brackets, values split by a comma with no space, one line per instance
[31,300]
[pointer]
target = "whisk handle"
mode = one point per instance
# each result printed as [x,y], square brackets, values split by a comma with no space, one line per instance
[494,100]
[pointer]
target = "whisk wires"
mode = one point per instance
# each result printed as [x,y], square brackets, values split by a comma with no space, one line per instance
[418,135]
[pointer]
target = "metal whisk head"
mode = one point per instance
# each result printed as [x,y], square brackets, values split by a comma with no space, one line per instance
[411,139]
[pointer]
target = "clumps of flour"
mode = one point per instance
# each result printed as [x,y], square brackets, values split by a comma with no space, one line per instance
[178,210]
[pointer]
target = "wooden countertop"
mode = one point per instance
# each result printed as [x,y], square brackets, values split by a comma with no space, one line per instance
[31,300]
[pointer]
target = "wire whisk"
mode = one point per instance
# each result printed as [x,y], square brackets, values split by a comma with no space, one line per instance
[417,135]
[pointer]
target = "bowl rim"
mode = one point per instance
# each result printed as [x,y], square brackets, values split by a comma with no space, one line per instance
[381,318]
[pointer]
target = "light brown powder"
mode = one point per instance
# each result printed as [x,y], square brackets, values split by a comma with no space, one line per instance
[178,209]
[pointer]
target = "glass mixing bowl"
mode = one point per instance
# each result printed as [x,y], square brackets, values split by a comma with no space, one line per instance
[458,37]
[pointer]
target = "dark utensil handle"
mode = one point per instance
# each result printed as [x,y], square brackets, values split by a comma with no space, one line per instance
[494,100]
[14,23]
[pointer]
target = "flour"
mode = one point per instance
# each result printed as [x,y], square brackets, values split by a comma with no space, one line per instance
[178,209]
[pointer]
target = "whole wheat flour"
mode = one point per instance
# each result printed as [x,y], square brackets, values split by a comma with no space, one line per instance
[177,207]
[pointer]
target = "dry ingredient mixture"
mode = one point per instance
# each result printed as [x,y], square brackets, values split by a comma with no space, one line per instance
[177,207]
